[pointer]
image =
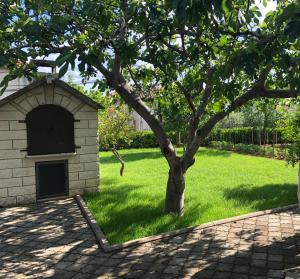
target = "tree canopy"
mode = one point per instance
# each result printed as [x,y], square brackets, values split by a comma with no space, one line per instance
[207,57]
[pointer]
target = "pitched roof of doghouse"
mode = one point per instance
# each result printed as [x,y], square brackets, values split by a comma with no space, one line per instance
[7,97]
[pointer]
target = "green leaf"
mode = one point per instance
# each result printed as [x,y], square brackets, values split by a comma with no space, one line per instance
[265,3]
[63,58]
[224,7]
[63,70]
[81,38]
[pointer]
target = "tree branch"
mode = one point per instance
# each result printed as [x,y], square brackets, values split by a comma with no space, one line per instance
[187,96]
[125,91]
[279,93]
[257,91]
[206,94]
[116,68]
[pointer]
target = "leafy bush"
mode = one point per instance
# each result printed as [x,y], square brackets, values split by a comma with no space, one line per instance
[267,151]
[114,128]
[134,139]
[143,139]
[246,135]
[290,128]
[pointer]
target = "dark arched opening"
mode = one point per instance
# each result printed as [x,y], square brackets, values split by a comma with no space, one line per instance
[50,130]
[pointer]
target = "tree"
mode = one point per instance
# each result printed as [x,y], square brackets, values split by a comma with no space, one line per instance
[290,128]
[114,127]
[218,54]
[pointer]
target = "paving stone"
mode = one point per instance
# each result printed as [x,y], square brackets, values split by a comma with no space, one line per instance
[53,240]
[172,269]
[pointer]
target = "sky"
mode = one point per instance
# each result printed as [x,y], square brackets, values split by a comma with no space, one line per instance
[75,75]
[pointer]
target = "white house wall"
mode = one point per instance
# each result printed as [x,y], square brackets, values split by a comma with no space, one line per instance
[17,170]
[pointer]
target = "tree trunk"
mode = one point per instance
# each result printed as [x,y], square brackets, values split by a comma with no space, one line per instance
[298,192]
[175,191]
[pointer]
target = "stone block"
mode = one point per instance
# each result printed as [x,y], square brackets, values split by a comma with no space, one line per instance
[49,94]
[26,199]
[6,173]
[20,99]
[11,115]
[20,191]
[90,115]
[20,172]
[88,174]
[6,144]
[57,99]
[74,159]
[11,163]
[16,125]
[25,105]
[77,184]
[7,107]
[91,166]
[80,141]
[82,124]
[65,101]
[8,201]
[26,163]
[88,158]
[19,144]
[93,124]
[4,125]
[91,140]
[10,182]
[41,99]
[9,135]
[33,101]
[3,192]
[76,167]
[73,176]
[88,149]
[85,132]
[87,108]
[73,104]
[28,180]
[11,154]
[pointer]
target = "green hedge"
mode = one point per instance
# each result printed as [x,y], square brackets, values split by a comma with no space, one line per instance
[268,151]
[246,135]
[141,139]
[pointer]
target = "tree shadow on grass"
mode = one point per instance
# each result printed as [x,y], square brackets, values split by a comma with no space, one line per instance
[263,197]
[123,216]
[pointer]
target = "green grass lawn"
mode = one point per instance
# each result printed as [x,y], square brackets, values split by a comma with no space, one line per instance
[220,184]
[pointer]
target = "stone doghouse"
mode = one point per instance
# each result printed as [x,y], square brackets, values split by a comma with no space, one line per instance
[48,142]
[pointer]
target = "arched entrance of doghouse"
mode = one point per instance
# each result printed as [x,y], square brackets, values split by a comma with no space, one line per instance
[50,130]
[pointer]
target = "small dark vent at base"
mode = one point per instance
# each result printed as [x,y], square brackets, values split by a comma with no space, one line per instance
[52,179]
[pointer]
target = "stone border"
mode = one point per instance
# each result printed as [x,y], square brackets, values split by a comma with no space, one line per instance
[104,244]
[100,237]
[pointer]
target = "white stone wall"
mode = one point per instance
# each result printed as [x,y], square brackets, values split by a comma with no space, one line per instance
[17,170]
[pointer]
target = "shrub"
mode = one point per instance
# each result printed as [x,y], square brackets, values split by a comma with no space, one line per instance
[143,139]
[246,135]
[267,151]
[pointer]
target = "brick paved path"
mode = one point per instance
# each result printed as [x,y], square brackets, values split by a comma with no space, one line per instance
[53,240]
